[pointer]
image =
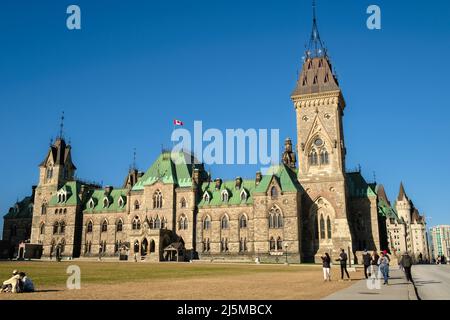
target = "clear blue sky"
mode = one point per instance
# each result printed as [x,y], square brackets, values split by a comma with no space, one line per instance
[137,65]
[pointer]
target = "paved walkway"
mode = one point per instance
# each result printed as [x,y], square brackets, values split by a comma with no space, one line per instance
[398,289]
[432,281]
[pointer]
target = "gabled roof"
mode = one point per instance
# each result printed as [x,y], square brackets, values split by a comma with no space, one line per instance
[113,198]
[285,177]
[21,210]
[234,195]
[169,168]
[358,187]
[73,189]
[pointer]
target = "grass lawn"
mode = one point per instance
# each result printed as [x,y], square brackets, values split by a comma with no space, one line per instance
[129,280]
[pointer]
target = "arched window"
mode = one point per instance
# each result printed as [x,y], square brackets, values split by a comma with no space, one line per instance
[152,246]
[279,244]
[104,226]
[136,225]
[59,198]
[56,211]
[136,205]
[121,202]
[224,222]
[44,208]
[157,223]
[42,229]
[105,203]
[272,244]
[62,227]
[274,193]
[151,223]
[183,224]
[49,173]
[119,227]
[206,223]
[243,195]
[322,227]
[55,228]
[60,211]
[316,227]
[324,156]
[183,203]
[224,196]
[206,197]
[328,228]
[157,200]
[313,159]
[275,218]
[89,227]
[243,222]
[64,211]
[163,223]
[91,204]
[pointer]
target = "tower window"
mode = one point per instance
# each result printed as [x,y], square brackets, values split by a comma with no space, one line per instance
[324,157]
[224,222]
[104,226]
[89,227]
[157,200]
[119,227]
[243,222]
[206,223]
[136,205]
[136,223]
[313,158]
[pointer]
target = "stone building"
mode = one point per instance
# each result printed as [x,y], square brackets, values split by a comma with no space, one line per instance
[305,206]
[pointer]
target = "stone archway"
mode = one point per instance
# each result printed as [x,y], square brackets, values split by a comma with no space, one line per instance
[144,247]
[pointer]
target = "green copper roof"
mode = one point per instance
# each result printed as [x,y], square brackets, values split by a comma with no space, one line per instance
[72,189]
[285,177]
[358,187]
[98,205]
[169,168]
[21,210]
[234,194]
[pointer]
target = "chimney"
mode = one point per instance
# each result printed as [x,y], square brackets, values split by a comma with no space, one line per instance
[196,176]
[108,190]
[258,177]
[33,193]
[238,183]
[218,183]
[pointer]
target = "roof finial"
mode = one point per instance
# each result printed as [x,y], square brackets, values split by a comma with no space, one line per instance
[315,47]
[134,159]
[61,127]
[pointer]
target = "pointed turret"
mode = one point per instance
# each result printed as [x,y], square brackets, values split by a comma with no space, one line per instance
[402,194]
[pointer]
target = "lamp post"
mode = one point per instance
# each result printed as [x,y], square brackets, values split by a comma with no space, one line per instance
[286,247]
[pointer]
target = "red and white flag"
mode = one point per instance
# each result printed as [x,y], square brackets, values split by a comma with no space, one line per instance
[178,123]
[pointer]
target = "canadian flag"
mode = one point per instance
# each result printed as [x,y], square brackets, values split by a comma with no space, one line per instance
[178,123]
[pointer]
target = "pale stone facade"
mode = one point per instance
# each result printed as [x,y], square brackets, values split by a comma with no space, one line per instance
[174,211]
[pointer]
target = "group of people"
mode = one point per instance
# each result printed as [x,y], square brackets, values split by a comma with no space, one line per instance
[326,264]
[374,264]
[441,260]
[19,282]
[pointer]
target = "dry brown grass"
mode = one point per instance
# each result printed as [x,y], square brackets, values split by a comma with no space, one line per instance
[143,281]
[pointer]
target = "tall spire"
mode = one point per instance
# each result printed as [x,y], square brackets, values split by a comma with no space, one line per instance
[401,193]
[316,47]
[61,127]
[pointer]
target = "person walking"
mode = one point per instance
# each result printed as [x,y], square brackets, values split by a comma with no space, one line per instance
[367,259]
[406,262]
[374,262]
[383,262]
[326,264]
[343,261]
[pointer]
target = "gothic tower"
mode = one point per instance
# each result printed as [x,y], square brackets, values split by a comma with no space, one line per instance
[55,170]
[319,106]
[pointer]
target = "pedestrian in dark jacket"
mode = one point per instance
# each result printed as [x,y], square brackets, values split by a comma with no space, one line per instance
[326,264]
[374,268]
[367,261]
[343,261]
[406,262]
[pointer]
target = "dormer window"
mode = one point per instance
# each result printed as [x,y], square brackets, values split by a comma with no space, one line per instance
[105,203]
[121,202]
[91,204]
[224,196]
[305,82]
[274,193]
[244,195]
[206,197]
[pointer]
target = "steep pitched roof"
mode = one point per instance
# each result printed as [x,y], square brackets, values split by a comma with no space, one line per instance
[60,153]
[21,210]
[169,168]
[358,187]
[401,193]
[72,188]
[316,77]
[285,177]
[113,197]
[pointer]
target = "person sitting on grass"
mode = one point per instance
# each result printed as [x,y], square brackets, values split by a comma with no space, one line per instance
[12,284]
[26,283]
